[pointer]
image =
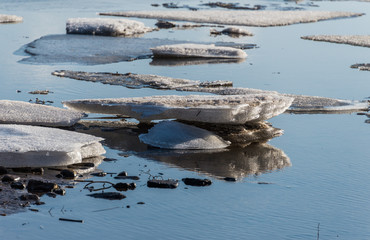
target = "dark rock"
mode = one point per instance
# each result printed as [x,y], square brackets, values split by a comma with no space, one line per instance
[59,175]
[156,183]
[122,174]
[127,177]
[141,203]
[10,178]
[17,185]
[197,182]
[132,186]
[108,195]
[230,179]
[109,159]
[37,186]
[59,191]
[165,24]
[51,194]
[99,174]
[3,170]
[68,174]
[128,206]
[36,171]
[124,186]
[39,203]
[30,197]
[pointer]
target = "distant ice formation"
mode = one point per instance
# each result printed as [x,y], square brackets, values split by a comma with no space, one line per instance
[197,50]
[175,135]
[105,26]
[17,112]
[245,18]
[31,146]
[236,109]
[362,66]
[10,18]
[355,40]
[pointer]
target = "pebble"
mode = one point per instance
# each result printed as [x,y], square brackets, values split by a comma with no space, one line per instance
[230,179]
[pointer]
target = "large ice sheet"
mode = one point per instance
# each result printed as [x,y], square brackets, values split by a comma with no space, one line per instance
[132,80]
[355,40]
[246,18]
[18,112]
[31,146]
[10,18]
[197,50]
[105,27]
[176,135]
[236,109]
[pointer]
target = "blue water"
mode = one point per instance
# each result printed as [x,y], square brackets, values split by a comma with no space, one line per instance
[327,182]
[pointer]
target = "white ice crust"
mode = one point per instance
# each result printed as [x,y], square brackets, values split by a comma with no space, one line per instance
[355,40]
[10,18]
[105,26]
[245,18]
[32,146]
[236,109]
[197,50]
[175,135]
[17,112]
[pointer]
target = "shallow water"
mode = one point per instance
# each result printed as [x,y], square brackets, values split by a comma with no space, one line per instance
[326,181]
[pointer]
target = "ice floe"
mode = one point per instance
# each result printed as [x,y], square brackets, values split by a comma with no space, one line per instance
[362,66]
[237,163]
[232,31]
[10,18]
[355,40]
[31,146]
[236,109]
[132,80]
[82,49]
[176,135]
[105,27]
[197,50]
[17,112]
[246,18]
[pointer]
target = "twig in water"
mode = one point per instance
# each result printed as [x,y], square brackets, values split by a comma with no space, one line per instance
[71,220]
[318,231]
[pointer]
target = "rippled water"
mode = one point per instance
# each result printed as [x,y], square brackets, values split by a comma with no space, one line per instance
[318,171]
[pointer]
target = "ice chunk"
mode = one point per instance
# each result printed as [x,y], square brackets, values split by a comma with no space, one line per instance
[105,26]
[236,109]
[246,18]
[233,32]
[175,135]
[362,66]
[18,112]
[355,40]
[238,163]
[10,18]
[132,80]
[197,50]
[31,146]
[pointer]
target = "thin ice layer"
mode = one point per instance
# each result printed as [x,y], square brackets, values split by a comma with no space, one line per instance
[10,18]
[197,50]
[355,40]
[132,80]
[105,26]
[246,18]
[236,109]
[175,135]
[31,146]
[17,112]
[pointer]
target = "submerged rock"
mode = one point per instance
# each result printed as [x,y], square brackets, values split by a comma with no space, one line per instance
[355,40]
[175,135]
[17,112]
[105,27]
[246,18]
[236,109]
[159,183]
[197,50]
[31,146]
[10,18]
[108,195]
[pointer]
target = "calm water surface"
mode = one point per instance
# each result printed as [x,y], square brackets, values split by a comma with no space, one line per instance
[324,179]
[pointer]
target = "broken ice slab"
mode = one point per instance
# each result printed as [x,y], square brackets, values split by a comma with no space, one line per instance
[105,27]
[17,112]
[132,80]
[245,18]
[232,32]
[235,109]
[355,40]
[362,66]
[197,50]
[238,163]
[176,135]
[10,18]
[31,146]
[173,62]
[81,49]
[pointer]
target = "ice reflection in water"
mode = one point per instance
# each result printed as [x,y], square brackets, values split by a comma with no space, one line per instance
[173,62]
